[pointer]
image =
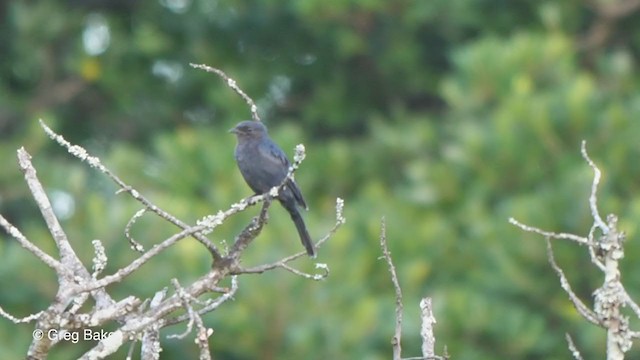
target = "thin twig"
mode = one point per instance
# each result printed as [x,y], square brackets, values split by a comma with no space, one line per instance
[136,246]
[593,199]
[579,239]
[592,249]
[233,85]
[211,305]
[203,333]
[26,319]
[632,304]
[572,347]
[340,220]
[186,303]
[396,340]
[305,275]
[25,243]
[564,283]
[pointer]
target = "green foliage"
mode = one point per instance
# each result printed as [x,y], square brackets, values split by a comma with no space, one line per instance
[446,117]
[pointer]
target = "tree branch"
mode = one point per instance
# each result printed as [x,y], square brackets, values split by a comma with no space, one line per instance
[605,251]
[397,336]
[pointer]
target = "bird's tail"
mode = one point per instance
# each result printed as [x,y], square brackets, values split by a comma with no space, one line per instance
[302,229]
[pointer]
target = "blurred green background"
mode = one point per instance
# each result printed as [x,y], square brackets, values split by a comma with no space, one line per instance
[445,116]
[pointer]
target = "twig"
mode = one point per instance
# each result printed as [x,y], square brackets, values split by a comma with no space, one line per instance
[203,333]
[547,234]
[25,243]
[211,305]
[632,304]
[233,85]
[396,340]
[593,199]
[186,303]
[132,347]
[340,220]
[26,319]
[572,347]
[136,246]
[564,283]
[305,275]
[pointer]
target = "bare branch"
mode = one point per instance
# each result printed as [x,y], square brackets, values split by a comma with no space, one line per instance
[593,199]
[579,305]
[132,347]
[186,302]
[15,320]
[68,257]
[547,234]
[136,246]
[316,277]
[340,220]
[233,85]
[572,347]
[25,243]
[210,306]
[202,336]
[592,249]
[605,252]
[632,304]
[397,336]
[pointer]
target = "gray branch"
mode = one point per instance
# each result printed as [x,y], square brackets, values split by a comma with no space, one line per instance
[605,251]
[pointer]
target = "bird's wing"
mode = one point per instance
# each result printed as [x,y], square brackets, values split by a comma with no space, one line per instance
[279,165]
[276,154]
[270,165]
[274,159]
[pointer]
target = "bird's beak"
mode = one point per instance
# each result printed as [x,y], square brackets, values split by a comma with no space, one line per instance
[233,130]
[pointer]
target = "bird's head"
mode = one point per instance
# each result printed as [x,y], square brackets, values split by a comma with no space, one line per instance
[249,129]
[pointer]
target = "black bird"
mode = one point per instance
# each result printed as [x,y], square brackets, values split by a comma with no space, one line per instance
[264,165]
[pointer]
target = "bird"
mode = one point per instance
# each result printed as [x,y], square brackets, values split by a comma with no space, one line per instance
[264,165]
